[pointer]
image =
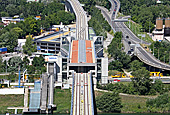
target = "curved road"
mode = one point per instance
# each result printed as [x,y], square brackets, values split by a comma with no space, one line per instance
[141,53]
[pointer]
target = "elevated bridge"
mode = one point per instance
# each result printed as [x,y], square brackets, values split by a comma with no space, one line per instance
[82,94]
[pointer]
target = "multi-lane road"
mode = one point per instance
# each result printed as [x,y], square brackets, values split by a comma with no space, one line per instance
[140,52]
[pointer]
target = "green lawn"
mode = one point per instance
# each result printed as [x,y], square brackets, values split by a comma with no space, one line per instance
[10,101]
[62,99]
[134,104]
[136,30]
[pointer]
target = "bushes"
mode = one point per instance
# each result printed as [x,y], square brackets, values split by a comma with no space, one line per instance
[109,102]
[161,103]
[131,88]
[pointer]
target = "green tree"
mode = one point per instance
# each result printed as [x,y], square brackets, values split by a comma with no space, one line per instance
[2,66]
[9,40]
[109,102]
[26,61]
[14,64]
[141,81]
[38,63]
[135,65]
[29,48]
[18,31]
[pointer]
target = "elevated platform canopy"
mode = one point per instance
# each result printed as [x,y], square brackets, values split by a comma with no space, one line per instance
[82,51]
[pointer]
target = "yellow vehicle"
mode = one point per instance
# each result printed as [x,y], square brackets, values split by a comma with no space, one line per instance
[156,74]
[118,75]
[131,76]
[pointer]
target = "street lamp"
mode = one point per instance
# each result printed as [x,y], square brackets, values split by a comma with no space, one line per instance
[164,56]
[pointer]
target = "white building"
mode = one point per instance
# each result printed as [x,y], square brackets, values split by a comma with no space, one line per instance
[8,20]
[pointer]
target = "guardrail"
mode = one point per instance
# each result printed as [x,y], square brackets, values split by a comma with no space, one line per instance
[72,97]
[91,88]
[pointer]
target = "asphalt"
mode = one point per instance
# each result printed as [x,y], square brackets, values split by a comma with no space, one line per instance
[143,55]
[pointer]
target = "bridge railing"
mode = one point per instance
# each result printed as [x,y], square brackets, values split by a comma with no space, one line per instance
[72,96]
[91,88]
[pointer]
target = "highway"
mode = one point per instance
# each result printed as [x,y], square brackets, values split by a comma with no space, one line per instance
[81,20]
[82,104]
[140,52]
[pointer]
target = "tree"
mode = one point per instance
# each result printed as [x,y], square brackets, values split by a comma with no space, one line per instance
[14,63]
[2,66]
[38,62]
[141,81]
[9,40]
[135,65]
[26,61]
[28,48]
[109,102]
[18,31]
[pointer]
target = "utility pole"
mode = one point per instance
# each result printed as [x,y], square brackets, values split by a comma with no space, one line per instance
[169,57]
[158,53]
[149,26]
[153,48]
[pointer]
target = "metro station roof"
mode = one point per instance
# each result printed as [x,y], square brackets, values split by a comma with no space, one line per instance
[82,51]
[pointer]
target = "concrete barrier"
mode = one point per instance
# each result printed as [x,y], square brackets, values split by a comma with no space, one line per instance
[11,91]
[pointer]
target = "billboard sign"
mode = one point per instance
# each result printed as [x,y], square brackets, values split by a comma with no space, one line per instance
[50,58]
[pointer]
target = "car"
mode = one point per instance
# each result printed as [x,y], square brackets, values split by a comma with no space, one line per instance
[129,42]
[127,36]
[114,9]
[131,49]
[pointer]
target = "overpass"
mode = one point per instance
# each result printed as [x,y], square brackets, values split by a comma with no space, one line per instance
[81,20]
[82,95]
[140,52]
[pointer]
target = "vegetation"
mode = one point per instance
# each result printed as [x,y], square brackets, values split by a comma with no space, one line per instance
[121,60]
[52,13]
[161,50]
[160,104]
[29,48]
[138,86]
[62,99]
[138,31]
[142,82]
[133,104]
[10,101]
[109,102]
[145,12]
[2,65]
[98,23]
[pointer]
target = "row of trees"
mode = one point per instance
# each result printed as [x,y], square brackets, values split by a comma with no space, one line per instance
[99,24]
[161,50]
[14,63]
[145,12]
[121,60]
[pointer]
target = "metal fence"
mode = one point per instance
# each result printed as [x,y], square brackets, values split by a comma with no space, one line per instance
[72,97]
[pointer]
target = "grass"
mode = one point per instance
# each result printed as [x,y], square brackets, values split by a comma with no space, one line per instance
[131,103]
[10,101]
[135,28]
[62,99]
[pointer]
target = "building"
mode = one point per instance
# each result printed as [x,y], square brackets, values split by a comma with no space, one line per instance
[8,20]
[32,0]
[161,32]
